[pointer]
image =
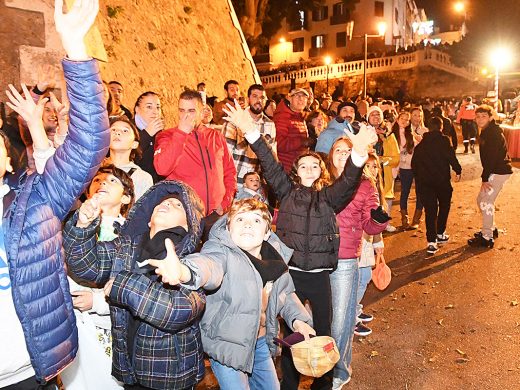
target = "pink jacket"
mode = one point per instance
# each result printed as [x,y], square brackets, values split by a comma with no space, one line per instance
[355,218]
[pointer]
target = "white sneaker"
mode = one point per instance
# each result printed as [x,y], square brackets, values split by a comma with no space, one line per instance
[338,383]
[390,229]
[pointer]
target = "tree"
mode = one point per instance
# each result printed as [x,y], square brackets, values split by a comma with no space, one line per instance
[261,19]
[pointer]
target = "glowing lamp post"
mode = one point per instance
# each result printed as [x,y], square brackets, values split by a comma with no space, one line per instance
[500,58]
[381,29]
[327,60]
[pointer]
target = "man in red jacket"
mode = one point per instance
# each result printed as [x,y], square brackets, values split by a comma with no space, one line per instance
[198,156]
[292,136]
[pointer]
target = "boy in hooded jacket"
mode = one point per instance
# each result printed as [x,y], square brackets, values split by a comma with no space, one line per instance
[155,328]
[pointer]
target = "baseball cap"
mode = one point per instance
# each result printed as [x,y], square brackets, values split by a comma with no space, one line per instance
[298,90]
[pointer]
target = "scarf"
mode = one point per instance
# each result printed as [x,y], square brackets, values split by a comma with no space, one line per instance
[270,266]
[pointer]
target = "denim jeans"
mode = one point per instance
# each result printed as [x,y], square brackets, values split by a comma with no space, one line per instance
[344,285]
[262,377]
[365,275]
[406,176]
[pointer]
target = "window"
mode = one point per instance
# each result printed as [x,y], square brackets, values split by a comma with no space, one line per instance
[339,9]
[379,8]
[297,21]
[318,41]
[298,45]
[320,14]
[340,14]
[341,39]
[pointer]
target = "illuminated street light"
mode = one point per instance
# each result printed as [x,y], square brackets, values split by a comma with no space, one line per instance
[459,7]
[283,42]
[381,28]
[500,57]
[327,60]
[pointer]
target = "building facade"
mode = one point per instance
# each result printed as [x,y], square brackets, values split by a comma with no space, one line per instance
[332,30]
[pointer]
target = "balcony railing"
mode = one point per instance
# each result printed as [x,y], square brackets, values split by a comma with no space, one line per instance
[340,18]
[263,58]
[425,57]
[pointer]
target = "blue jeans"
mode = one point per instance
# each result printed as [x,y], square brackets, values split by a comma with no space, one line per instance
[406,176]
[344,285]
[365,275]
[262,377]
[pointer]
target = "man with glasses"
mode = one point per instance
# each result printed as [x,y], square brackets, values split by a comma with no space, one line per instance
[243,156]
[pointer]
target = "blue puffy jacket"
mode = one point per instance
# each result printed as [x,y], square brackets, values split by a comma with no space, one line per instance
[33,221]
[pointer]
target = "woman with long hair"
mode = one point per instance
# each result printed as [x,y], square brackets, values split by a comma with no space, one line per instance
[362,215]
[407,141]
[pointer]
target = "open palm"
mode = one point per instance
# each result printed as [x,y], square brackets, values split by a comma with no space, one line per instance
[362,141]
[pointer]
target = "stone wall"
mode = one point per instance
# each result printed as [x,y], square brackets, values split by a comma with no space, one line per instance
[158,45]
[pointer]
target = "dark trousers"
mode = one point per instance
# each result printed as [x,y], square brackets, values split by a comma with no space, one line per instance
[406,176]
[437,201]
[314,287]
[32,384]
[469,130]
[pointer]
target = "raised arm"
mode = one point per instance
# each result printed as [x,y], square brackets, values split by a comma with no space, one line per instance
[273,171]
[74,164]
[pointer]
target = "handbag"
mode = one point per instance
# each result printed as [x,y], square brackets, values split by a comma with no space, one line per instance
[313,357]
[381,275]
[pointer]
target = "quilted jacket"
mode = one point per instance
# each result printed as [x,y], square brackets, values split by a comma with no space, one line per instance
[355,219]
[34,220]
[155,328]
[291,134]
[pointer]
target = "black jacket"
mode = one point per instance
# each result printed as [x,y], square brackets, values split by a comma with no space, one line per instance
[432,159]
[493,152]
[306,217]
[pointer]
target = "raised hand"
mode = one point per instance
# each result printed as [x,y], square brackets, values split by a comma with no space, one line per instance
[239,117]
[74,25]
[30,112]
[88,212]
[46,77]
[363,140]
[170,268]
[61,109]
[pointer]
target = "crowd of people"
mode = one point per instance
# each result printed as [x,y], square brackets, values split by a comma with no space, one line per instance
[129,252]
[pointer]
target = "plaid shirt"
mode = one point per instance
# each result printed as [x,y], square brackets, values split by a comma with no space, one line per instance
[167,348]
[243,156]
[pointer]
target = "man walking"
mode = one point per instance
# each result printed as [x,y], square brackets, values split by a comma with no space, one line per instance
[466,118]
[496,169]
[431,163]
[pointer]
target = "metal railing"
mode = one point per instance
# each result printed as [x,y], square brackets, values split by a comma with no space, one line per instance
[424,57]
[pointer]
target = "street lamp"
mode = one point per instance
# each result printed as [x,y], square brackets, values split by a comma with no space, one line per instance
[284,46]
[500,57]
[381,28]
[460,8]
[328,60]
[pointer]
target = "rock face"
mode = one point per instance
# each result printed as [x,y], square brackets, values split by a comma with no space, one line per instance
[158,45]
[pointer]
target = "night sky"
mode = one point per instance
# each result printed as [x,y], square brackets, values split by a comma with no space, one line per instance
[490,22]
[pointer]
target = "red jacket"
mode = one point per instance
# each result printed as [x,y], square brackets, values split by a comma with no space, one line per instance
[467,111]
[200,159]
[291,134]
[355,218]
